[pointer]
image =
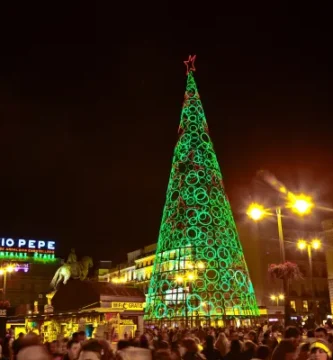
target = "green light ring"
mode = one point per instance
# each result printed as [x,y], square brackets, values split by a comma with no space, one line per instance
[196,299]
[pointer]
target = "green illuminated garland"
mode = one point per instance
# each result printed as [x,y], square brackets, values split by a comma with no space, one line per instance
[199,268]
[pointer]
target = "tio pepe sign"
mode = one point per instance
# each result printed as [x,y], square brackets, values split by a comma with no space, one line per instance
[26,245]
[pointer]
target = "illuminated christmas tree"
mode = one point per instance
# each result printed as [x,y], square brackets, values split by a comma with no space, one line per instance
[200,274]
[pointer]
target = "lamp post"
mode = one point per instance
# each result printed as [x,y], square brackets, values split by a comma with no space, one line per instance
[277,298]
[314,244]
[4,271]
[187,279]
[300,204]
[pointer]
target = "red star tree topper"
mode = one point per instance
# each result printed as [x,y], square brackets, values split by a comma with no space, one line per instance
[190,64]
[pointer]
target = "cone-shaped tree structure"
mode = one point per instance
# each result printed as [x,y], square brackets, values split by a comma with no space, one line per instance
[199,272]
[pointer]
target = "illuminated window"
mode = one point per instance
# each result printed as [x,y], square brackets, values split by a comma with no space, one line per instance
[293,305]
[305,306]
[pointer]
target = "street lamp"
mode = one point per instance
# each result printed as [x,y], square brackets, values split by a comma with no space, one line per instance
[309,245]
[277,298]
[188,278]
[300,204]
[256,211]
[3,271]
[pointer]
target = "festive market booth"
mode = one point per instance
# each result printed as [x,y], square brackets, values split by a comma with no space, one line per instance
[102,310]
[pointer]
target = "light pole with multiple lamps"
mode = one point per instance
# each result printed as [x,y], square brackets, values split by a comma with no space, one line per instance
[314,244]
[300,204]
[187,279]
[277,298]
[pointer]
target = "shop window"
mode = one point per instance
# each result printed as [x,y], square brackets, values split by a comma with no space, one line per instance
[305,305]
[293,305]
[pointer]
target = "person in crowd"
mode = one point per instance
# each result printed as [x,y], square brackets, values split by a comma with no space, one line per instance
[235,352]
[17,344]
[293,334]
[189,350]
[252,335]
[63,346]
[320,350]
[210,352]
[320,333]
[262,353]
[31,349]
[303,351]
[285,350]
[91,350]
[73,350]
[249,350]
[222,344]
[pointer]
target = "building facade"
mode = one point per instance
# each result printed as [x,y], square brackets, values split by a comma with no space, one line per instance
[136,270]
[306,295]
[26,270]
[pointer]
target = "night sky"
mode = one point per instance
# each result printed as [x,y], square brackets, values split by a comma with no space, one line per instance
[91,100]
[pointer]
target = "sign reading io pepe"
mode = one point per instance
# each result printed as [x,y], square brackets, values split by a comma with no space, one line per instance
[135,306]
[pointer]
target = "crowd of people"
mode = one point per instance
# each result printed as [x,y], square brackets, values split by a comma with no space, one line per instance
[258,343]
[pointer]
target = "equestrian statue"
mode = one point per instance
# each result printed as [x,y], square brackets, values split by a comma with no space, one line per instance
[72,269]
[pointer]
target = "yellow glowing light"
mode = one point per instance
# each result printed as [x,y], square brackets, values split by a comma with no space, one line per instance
[190,276]
[255,212]
[201,265]
[10,268]
[203,303]
[115,280]
[316,244]
[301,244]
[273,297]
[281,297]
[179,279]
[189,266]
[300,204]
[2,271]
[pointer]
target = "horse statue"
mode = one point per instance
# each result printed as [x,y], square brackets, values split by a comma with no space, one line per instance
[74,270]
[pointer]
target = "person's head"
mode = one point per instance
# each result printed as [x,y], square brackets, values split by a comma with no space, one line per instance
[91,350]
[31,349]
[73,349]
[304,351]
[321,333]
[122,344]
[81,336]
[250,346]
[209,341]
[252,335]
[234,335]
[21,335]
[262,352]
[54,347]
[285,350]
[293,334]
[163,345]
[190,345]
[235,346]
[144,343]
[63,346]
[310,334]
[319,350]
[75,336]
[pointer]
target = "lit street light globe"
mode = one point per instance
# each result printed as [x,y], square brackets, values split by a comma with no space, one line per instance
[300,204]
[316,244]
[273,297]
[256,212]
[301,244]
[281,297]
